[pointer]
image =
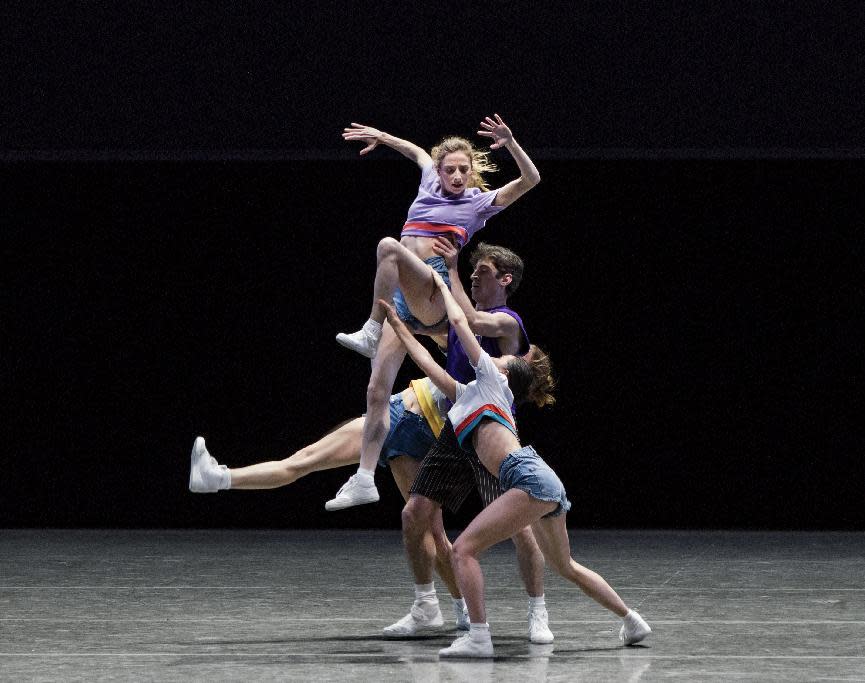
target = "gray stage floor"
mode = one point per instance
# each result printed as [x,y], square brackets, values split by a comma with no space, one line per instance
[309,605]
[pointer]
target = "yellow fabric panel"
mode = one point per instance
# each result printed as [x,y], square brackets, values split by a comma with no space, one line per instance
[427,405]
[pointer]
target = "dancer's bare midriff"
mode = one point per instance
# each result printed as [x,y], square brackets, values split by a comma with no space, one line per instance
[422,247]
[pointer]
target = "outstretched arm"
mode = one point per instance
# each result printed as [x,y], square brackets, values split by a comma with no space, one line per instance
[420,355]
[496,325]
[529,176]
[374,137]
[458,321]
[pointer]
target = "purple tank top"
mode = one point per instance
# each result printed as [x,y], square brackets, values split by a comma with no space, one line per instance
[457,364]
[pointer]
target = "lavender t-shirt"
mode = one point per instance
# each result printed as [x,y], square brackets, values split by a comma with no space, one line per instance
[469,210]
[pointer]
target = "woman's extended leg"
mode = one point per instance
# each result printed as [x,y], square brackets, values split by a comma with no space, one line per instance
[501,519]
[400,267]
[552,535]
[360,488]
[531,563]
[336,449]
[397,267]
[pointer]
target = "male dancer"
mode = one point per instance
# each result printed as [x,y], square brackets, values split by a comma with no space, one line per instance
[497,274]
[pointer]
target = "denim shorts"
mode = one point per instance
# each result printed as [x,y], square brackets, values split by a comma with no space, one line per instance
[525,470]
[402,309]
[409,434]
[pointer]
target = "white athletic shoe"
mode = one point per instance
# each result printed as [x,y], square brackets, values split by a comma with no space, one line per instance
[425,617]
[462,617]
[467,646]
[362,341]
[634,629]
[205,474]
[356,491]
[539,630]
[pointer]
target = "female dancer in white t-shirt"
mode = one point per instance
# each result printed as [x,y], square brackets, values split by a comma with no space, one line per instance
[533,494]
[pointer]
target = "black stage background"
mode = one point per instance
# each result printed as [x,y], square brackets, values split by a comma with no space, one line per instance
[700,314]
[184,232]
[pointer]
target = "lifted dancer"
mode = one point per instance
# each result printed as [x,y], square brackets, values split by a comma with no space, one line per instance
[453,202]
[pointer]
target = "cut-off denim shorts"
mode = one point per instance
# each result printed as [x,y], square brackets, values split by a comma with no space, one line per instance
[402,309]
[409,434]
[525,470]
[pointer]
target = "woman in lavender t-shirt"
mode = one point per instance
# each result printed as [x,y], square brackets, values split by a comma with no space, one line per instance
[454,202]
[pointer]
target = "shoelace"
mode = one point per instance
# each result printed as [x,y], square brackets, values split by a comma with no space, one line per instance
[459,642]
[418,614]
[537,618]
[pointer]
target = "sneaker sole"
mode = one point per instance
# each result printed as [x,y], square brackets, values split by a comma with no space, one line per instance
[332,506]
[346,343]
[638,637]
[195,483]
[420,633]
[465,655]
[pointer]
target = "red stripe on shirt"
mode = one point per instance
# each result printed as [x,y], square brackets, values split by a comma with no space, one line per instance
[438,229]
[488,407]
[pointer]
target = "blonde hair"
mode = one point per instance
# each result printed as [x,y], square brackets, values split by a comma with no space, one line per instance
[480,160]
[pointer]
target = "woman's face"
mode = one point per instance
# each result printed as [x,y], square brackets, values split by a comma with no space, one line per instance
[453,171]
[502,363]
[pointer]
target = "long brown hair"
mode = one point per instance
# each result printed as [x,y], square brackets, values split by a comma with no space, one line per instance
[530,378]
[543,383]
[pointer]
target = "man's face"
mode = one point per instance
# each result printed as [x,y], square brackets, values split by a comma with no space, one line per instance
[486,285]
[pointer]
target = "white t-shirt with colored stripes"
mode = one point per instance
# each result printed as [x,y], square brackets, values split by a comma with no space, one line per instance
[488,396]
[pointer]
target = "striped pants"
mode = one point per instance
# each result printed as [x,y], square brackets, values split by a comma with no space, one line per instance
[448,474]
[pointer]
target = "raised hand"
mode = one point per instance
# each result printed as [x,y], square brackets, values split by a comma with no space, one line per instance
[437,279]
[497,130]
[367,134]
[392,316]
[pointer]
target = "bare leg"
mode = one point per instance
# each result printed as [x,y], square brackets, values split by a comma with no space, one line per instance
[385,367]
[552,535]
[338,448]
[404,470]
[503,518]
[530,560]
[417,519]
[425,615]
[399,267]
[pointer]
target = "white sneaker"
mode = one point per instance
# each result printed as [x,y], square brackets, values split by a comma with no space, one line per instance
[424,617]
[539,630]
[205,474]
[466,646]
[462,617]
[356,491]
[361,341]
[634,629]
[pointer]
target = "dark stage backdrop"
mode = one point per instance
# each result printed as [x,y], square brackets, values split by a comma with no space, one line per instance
[184,231]
[273,78]
[704,318]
